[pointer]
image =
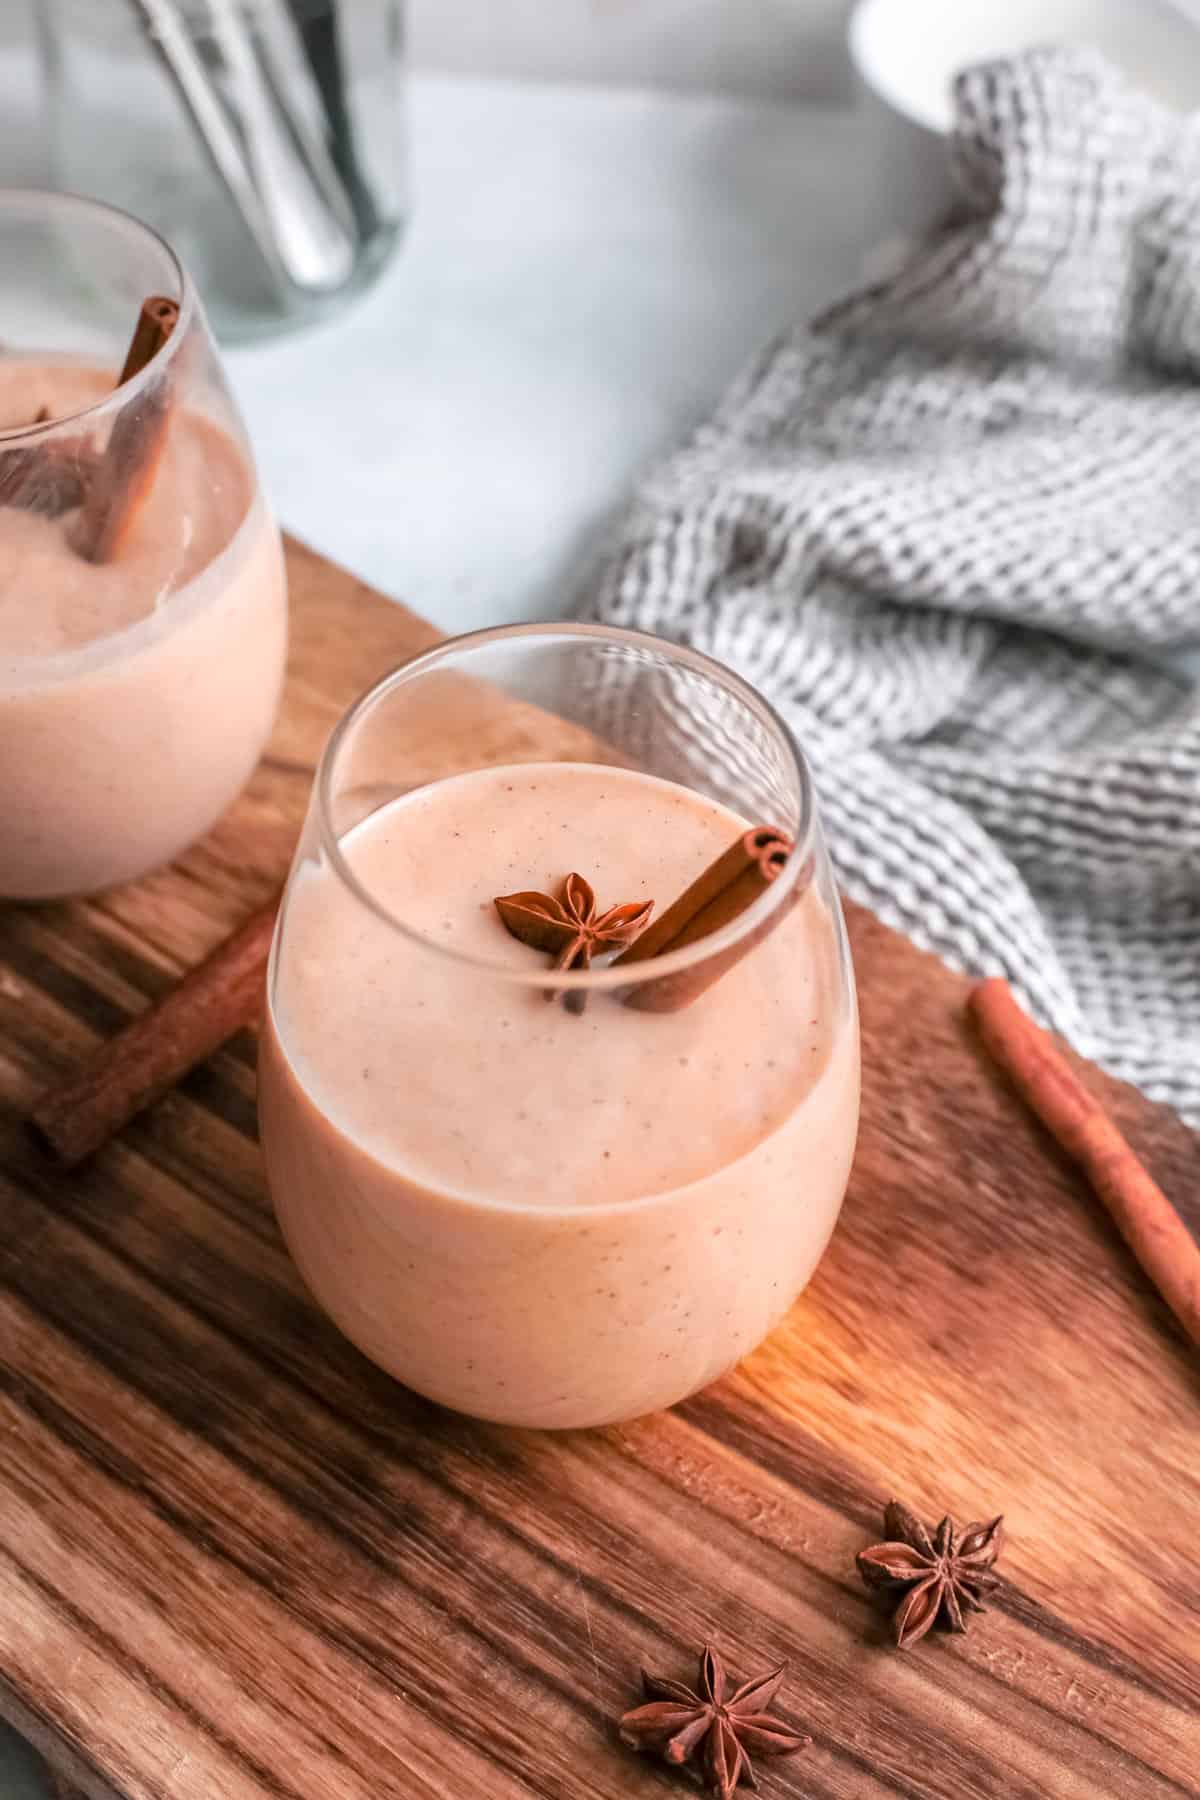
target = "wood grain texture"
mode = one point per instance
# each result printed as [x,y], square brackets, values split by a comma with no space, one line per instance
[239,1563]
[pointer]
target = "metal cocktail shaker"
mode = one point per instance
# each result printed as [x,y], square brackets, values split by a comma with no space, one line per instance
[265,139]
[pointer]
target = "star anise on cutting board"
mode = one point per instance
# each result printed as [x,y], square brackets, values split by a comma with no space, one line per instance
[678,1723]
[938,1577]
[571,929]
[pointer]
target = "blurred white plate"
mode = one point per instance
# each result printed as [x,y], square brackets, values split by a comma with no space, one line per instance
[905,54]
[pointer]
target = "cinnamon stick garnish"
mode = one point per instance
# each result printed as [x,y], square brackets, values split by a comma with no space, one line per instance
[156,321]
[130,462]
[1151,1227]
[157,1049]
[721,894]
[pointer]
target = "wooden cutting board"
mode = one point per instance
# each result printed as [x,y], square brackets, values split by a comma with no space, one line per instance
[238,1563]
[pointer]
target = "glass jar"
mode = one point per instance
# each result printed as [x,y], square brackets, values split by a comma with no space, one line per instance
[539,1192]
[264,138]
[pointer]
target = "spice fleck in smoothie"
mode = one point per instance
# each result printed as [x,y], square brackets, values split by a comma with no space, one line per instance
[137,687]
[532,1213]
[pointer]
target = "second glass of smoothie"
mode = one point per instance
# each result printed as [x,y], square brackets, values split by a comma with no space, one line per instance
[536,1196]
[143,618]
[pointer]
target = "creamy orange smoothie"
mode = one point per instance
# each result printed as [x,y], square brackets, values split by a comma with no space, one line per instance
[135,695]
[528,1214]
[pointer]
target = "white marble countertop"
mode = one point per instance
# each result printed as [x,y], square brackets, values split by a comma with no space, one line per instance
[586,269]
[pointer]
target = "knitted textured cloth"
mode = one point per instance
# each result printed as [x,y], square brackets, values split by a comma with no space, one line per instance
[952,532]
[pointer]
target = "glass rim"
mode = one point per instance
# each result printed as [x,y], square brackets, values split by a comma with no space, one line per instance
[14,200]
[752,920]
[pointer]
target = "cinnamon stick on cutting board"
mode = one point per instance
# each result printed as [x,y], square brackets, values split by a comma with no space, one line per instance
[158,1048]
[1150,1225]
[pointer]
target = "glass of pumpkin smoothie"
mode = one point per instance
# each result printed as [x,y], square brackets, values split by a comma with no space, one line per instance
[142,599]
[535,1183]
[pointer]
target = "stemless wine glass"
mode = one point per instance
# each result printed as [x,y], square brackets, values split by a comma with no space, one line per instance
[143,616]
[535,1196]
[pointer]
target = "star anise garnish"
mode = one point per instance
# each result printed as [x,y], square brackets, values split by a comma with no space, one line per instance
[50,479]
[678,1722]
[571,930]
[941,1576]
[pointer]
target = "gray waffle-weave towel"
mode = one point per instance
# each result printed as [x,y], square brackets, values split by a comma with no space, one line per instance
[952,532]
